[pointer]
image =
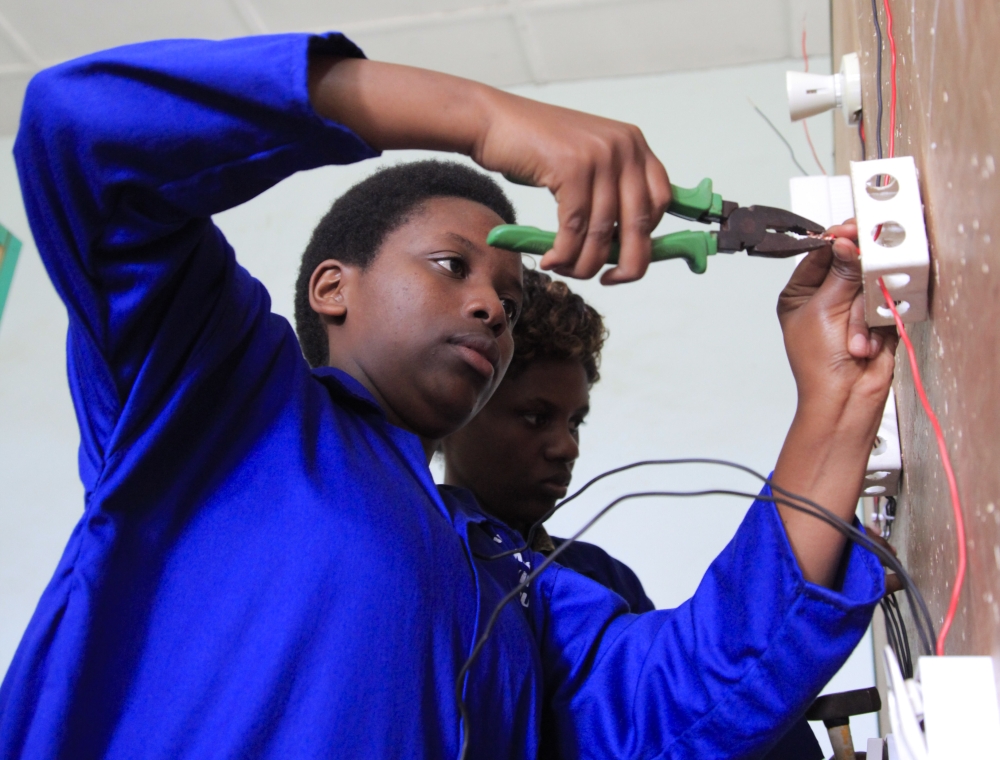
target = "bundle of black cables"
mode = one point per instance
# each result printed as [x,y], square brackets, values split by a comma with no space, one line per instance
[921,615]
[895,633]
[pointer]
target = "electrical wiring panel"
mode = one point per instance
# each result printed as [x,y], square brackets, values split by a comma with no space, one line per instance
[928,76]
[892,238]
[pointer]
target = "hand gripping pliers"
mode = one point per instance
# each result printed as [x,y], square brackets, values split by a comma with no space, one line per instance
[758,230]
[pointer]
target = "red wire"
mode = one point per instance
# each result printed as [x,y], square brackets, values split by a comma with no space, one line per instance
[956,505]
[892,80]
[805,125]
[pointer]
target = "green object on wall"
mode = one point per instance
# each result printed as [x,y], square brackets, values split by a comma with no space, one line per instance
[10,248]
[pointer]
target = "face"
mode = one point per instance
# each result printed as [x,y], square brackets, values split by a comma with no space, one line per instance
[517,454]
[426,327]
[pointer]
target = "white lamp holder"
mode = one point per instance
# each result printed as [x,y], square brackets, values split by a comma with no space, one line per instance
[810,94]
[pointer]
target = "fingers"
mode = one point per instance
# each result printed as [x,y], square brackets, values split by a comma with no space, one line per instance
[601,227]
[617,187]
[645,198]
[633,232]
[574,200]
[893,583]
[812,270]
[862,342]
[885,356]
[858,340]
[877,538]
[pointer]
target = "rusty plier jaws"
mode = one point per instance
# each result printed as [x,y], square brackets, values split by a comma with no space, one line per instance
[763,231]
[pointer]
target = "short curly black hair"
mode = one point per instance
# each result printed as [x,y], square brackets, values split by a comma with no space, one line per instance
[359,221]
[556,323]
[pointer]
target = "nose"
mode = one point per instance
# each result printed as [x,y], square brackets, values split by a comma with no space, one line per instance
[563,447]
[486,307]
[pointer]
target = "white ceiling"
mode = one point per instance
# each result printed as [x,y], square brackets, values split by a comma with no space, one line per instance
[503,42]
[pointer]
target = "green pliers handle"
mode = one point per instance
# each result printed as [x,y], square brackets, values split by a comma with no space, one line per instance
[693,246]
[694,203]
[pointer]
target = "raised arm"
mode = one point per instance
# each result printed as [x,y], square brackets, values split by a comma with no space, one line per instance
[123,157]
[778,612]
[843,372]
[602,172]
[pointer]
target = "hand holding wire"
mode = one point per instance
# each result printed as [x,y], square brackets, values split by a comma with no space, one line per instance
[832,351]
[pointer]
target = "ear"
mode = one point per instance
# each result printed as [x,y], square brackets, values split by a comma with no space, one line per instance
[329,288]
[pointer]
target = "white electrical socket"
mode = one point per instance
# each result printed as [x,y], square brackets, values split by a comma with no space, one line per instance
[886,460]
[961,717]
[948,712]
[887,206]
[824,200]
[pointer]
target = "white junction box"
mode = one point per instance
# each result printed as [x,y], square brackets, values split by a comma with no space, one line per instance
[886,460]
[892,237]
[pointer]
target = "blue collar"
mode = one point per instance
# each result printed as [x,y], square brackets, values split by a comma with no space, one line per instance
[346,388]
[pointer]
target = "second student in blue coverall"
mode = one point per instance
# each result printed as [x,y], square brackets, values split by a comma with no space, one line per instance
[517,455]
[264,566]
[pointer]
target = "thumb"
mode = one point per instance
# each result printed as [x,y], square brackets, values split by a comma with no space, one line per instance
[843,281]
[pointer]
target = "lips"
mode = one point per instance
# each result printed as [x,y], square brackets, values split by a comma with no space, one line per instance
[557,485]
[562,479]
[480,352]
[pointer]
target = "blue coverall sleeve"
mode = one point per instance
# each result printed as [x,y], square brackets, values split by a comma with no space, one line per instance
[722,676]
[123,156]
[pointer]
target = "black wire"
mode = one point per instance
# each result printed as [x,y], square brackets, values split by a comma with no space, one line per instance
[878,75]
[894,635]
[917,603]
[903,635]
[788,145]
[890,631]
[914,597]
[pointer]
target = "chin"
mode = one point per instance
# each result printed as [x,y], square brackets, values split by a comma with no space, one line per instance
[445,413]
[540,506]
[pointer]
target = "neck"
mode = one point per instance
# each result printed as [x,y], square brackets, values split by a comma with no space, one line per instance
[354,370]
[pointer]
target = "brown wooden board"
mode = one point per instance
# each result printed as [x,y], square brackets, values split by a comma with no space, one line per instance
[948,112]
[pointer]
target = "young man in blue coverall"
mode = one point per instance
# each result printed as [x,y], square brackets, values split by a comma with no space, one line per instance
[516,455]
[264,567]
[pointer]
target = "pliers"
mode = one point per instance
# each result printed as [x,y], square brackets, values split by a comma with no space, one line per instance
[758,230]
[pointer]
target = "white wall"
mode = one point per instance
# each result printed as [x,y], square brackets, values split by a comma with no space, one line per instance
[694,366]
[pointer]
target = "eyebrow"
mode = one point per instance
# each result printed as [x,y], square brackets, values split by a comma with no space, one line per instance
[584,410]
[462,240]
[471,247]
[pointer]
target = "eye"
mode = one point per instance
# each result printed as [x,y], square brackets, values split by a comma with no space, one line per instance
[533,419]
[454,265]
[510,309]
